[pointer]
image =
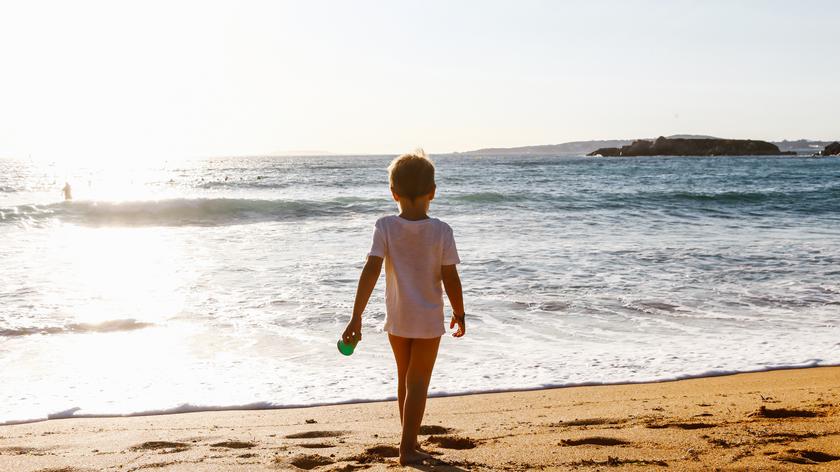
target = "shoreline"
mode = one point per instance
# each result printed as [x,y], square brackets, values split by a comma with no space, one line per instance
[267,406]
[768,420]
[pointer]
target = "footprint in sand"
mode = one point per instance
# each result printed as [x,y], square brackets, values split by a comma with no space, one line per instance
[316,445]
[315,434]
[797,456]
[594,441]
[765,438]
[234,444]
[616,462]
[307,461]
[21,450]
[680,425]
[428,429]
[785,438]
[349,468]
[764,412]
[452,442]
[590,422]
[375,454]
[161,446]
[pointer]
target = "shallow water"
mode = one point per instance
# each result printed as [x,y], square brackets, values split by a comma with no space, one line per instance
[226,282]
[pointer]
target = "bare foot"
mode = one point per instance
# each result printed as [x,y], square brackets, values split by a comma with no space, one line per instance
[413,457]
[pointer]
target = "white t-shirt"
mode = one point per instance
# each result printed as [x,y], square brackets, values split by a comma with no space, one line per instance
[413,253]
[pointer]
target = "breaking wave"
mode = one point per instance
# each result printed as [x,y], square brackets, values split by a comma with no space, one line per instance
[233,211]
[186,212]
[104,327]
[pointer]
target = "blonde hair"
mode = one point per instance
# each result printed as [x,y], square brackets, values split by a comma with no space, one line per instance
[412,175]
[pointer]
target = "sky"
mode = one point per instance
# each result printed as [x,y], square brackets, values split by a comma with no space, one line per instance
[120,80]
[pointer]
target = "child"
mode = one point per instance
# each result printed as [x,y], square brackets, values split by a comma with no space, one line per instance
[419,253]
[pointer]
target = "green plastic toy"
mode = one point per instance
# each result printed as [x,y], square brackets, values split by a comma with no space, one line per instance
[346,349]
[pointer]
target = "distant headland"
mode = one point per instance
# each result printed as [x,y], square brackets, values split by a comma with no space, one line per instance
[807,147]
[663,146]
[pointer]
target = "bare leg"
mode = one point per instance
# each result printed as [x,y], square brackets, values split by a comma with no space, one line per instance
[421,363]
[402,354]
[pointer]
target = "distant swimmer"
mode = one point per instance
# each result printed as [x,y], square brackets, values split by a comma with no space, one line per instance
[68,191]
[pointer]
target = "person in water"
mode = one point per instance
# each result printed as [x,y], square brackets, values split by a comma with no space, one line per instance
[419,254]
[68,191]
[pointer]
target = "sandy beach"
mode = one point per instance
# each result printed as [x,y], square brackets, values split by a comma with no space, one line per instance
[778,420]
[594,235]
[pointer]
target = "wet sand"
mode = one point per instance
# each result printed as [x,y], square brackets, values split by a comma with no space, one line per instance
[780,420]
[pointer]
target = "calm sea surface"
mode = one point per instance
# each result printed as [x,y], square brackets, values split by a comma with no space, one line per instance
[226,282]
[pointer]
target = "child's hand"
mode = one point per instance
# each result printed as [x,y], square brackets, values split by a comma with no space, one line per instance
[353,332]
[462,325]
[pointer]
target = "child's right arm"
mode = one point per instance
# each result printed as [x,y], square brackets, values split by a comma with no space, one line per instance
[452,285]
[367,281]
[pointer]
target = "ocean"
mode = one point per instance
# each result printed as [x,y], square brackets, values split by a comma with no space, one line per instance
[225,283]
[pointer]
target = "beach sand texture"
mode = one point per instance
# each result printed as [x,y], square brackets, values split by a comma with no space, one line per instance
[778,420]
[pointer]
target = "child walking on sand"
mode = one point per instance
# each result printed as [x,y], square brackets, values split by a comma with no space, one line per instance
[419,253]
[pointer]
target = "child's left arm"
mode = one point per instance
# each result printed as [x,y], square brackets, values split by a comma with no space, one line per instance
[452,285]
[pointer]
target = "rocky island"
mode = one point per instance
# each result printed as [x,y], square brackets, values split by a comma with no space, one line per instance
[832,149]
[663,146]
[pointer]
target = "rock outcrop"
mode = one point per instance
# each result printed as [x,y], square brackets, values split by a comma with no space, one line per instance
[832,149]
[663,146]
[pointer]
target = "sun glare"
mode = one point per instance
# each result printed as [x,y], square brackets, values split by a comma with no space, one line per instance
[117,273]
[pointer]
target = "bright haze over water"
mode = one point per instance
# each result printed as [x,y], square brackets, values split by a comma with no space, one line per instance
[226,282]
